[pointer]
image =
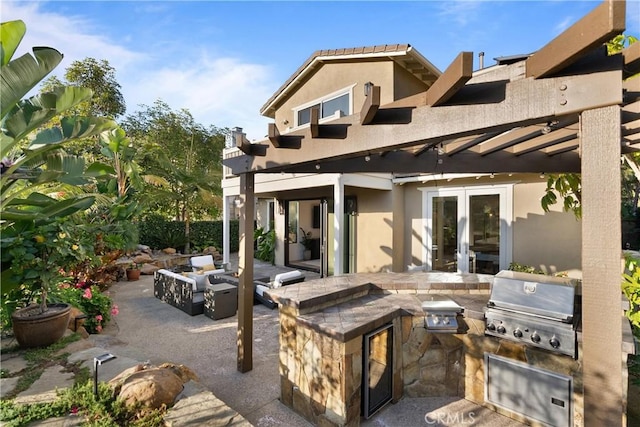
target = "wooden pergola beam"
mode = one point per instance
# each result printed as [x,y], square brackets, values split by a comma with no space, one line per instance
[438,124]
[455,76]
[631,56]
[604,22]
[370,106]
[314,119]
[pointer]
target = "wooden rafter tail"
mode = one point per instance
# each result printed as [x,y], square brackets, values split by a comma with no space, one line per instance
[274,135]
[604,22]
[314,125]
[370,106]
[243,143]
[248,148]
[449,82]
[631,90]
[631,57]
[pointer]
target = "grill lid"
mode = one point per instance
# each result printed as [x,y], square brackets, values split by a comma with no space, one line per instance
[546,296]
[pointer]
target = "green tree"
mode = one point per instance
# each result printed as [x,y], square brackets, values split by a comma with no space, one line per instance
[181,161]
[100,77]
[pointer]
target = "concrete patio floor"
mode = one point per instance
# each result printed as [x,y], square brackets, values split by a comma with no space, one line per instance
[148,329]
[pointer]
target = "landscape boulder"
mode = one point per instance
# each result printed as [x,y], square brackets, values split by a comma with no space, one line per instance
[151,388]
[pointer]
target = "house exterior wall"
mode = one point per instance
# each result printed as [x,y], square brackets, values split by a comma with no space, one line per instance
[373,230]
[333,77]
[550,241]
[404,83]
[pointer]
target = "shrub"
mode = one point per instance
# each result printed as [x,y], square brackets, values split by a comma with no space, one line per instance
[97,305]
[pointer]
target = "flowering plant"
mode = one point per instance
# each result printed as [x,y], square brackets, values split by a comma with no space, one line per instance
[97,305]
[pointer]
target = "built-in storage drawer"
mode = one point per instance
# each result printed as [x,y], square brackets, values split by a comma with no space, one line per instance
[535,393]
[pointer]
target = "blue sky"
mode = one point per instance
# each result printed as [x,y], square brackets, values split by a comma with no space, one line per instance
[223,60]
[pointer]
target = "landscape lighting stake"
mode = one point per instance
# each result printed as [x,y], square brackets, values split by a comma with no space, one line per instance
[97,361]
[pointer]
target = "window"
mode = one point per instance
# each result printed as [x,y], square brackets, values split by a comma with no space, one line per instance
[336,102]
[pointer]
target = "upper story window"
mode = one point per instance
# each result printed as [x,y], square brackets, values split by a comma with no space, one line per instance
[328,107]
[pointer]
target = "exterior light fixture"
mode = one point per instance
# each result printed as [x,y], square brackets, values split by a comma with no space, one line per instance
[367,158]
[492,175]
[97,361]
[542,175]
[367,88]
[317,166]
[440,149]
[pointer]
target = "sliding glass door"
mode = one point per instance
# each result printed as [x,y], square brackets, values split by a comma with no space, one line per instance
[467,229]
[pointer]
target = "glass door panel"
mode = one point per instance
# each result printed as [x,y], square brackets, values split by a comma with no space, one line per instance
[484,233]
[444,247]
[467,229]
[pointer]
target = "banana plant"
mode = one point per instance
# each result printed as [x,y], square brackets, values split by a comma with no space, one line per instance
[30,164]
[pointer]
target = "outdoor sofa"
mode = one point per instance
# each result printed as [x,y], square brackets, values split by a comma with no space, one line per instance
[182,290]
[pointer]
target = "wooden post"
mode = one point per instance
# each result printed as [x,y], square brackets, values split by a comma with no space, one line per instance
[601,252]
[245,273]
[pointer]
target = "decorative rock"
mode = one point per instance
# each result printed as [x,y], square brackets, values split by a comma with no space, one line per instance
[169,251]
[142,259]
[151,388]
[74,324]
[181,371]
[118,380]
[149,269]
[144,248]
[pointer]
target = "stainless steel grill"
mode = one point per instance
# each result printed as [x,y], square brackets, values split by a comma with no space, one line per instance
[534,309]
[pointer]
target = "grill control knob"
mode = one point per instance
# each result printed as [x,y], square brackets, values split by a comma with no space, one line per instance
[445,320]
[491,326]
[502,329]
[535,337]
[554,342]
[517,333]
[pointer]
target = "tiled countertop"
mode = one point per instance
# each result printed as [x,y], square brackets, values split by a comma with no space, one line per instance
[345,307]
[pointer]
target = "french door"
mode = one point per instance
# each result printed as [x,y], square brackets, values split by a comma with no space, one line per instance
[468,229]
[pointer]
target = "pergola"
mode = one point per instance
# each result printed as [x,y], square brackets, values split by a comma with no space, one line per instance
[565,108]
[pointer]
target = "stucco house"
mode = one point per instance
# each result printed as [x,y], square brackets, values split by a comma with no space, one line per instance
[397,221]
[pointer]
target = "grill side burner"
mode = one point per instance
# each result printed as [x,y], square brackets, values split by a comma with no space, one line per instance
[535,310]
[441,314]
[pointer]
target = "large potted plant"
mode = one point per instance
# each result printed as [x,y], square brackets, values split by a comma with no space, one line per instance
[30,217]
[40,259]
[307,241]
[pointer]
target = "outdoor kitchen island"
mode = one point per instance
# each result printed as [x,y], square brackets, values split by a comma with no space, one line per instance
[336,331]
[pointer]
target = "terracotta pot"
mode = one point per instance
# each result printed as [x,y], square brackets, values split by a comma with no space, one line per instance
[34,329]
[133,275]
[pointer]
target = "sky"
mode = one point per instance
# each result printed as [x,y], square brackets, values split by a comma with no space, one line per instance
[222,60]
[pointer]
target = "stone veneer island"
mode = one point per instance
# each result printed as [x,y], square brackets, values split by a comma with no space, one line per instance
[322,324]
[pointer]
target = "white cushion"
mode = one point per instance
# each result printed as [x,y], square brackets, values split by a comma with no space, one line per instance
[201,281]
[197,262]
[260,289]
[277,281]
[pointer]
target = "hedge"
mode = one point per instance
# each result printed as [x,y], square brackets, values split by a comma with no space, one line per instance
[158,233]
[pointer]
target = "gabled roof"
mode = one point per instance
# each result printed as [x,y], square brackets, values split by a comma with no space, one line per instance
[403,54]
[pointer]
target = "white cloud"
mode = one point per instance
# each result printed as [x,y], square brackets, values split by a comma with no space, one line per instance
[563,25]
[224,91]
[71,34]
[462,12]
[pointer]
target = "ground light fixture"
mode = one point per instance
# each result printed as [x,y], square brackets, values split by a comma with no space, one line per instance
[97,361]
